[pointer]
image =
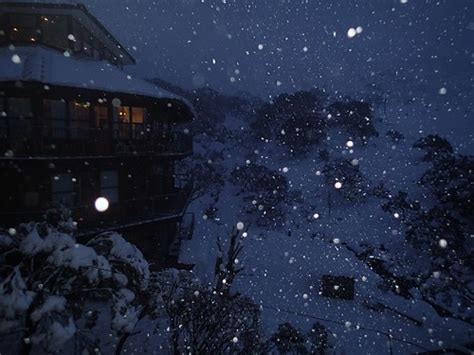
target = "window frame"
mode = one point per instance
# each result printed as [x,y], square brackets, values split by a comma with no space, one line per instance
[111,188]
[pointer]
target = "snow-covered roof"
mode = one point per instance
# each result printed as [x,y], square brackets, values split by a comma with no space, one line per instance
[49,66]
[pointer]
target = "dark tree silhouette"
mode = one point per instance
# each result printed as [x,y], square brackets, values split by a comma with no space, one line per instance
[355,117]
[294,120]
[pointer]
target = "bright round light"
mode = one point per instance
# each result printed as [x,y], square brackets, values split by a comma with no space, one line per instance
[16,59]
[349,144]
[351,32]
[316,215]
[338,185]
[443,243]
[101,204]
[240,226]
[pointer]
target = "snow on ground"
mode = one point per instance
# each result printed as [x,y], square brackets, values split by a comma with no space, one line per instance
[283,269]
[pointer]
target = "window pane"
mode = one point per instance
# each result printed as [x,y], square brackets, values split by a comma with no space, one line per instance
[109,178]
[109,185]
[22,20]
[19,107]
[54,109]
[59,128]
[96,53]
[80,111]
[23,28]
[80,116]
[110,194]
[55,116]
[62,183]
[87,39]
[124,114]
[101,116]
[62,189]
[138,115]
[20,113]
[24,35]
[3,31]
[87,48]
[54,29]
[121,117]
[77,33]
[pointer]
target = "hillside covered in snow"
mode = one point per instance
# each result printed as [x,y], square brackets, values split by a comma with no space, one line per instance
[326,184]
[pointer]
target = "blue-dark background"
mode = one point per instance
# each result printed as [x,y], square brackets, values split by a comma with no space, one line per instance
[406,49]
[418,42]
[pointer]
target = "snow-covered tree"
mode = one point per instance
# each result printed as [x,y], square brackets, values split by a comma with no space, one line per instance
[294,120]
[49,280]
[355,117]
[228,267]
[450,177]
[203,321]
[345,178]
[289,340]
[265,193]
[318,338]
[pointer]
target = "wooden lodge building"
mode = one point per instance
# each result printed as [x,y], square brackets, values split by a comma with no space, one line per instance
[75,128]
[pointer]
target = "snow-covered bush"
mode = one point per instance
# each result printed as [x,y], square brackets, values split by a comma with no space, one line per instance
[47,278]
[265,193]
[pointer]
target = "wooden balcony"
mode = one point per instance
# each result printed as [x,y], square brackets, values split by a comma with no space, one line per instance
[22,139]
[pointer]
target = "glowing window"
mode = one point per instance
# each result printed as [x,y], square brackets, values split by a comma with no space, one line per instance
[138,115]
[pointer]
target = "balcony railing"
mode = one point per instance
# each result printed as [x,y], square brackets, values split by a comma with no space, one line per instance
[19,138]
[118,216]
[132,212]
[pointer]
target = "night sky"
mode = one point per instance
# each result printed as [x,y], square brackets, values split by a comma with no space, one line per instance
[271,46]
